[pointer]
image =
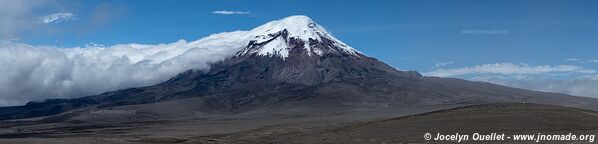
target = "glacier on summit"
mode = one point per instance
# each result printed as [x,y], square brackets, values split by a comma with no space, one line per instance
[299,27]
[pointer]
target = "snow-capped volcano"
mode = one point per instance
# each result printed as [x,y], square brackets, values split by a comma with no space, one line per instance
[288,64]
[278,38]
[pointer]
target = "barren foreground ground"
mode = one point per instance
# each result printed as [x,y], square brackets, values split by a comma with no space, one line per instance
[350,128]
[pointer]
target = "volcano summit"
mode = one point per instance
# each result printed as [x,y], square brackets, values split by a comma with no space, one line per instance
[278,38]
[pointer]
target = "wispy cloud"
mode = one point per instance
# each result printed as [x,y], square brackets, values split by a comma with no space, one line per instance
[593,61]
[17,16]
[227,12]
[508,69]
[442,64]
[572,59]
[56,18]
[579,86]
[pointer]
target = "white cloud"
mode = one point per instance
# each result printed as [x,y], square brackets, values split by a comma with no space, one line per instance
[226,12]
[593,61]
[39,72]
[567,79]
[442,64]
[25,17]
[17,16]
[508,69]
[580,86]
[572,59]
[56,18]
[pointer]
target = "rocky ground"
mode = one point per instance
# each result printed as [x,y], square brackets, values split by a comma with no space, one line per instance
[513,118]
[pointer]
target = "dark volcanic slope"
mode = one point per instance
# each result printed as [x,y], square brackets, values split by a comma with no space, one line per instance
[328,81]
[505,118]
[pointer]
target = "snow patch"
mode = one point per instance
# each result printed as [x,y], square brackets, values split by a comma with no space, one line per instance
[276,47]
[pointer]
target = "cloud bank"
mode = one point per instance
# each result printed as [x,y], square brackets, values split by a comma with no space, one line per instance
[580,86]
[507,68]
[226,12]
[56,18]
[567,79]
[30,72]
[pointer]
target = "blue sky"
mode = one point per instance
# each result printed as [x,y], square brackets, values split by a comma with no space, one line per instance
[407,34]
[501,41]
